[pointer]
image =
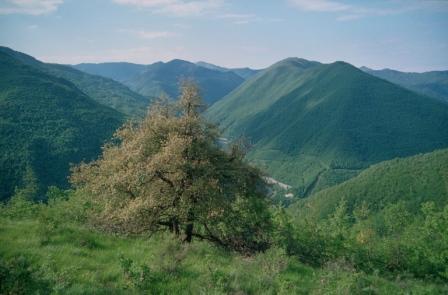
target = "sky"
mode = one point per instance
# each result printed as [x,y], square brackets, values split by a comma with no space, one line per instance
[407,35]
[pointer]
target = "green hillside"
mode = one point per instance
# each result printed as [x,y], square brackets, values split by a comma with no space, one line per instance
[105,91]
[118,71]
[434,84]
[313,125]
[413,180]
[45,124]
[53,248]
[66,259]
[162,77]
[392,217]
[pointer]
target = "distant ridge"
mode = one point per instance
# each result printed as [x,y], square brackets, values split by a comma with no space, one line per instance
[434,83]
[119,71]
[244,73]
[105,91]
[164,78]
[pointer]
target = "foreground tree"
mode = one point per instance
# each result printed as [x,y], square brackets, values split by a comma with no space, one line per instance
[168,173]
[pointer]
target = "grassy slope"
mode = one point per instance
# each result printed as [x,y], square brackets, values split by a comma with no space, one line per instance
[80,261]
[413,180]
[45,124]
[314,125]
[433,83]
[161,78]
[103,90]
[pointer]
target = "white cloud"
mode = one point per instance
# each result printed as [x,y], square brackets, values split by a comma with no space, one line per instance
[142,34]
[175,7]
[33,7]
[348,17]
[237,16]
[242,19]
[182,26]
[153,35]
[348,12]
[320,5]
[239,19]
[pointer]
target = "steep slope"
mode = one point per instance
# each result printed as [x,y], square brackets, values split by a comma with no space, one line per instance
[259,94]
[413,180]
[103,90]
[313,125]
[162,77]
[434,84]
[46,123]
[118,71]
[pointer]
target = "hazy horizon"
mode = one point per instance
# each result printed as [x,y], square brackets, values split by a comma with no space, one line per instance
[403,35]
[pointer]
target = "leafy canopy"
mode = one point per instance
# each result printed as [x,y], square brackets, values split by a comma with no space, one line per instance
[168,172]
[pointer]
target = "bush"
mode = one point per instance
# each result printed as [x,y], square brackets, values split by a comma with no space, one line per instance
[18,276]
[20,207]
[136,276]
[63,208]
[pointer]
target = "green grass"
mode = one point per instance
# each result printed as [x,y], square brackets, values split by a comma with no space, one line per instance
[77,260]
[399,252]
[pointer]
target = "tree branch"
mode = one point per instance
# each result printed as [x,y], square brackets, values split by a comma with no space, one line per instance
[160,175]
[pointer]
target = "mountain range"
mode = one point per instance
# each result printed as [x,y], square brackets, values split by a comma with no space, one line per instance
[434,83]
[313,125]
[244,73]
[105,91]
[164,78]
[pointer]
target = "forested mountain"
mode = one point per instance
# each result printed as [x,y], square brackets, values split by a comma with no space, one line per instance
[118,71]
[162,77]
[46,123]
[412,181]
[105,91]
[313,125]
[244,73]
[434,83]
[154,79]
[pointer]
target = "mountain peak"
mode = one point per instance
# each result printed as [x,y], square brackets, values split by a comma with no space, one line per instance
[319,119]
[296,62]
[177,61]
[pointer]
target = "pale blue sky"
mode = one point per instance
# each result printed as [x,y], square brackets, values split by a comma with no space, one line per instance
[410,35]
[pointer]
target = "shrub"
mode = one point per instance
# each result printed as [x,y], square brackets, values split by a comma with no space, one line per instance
[18,276]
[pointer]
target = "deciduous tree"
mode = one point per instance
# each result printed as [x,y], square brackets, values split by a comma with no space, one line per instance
[168,172]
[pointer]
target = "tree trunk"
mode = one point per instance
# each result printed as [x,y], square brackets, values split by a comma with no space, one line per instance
[188,233]
[174,226]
